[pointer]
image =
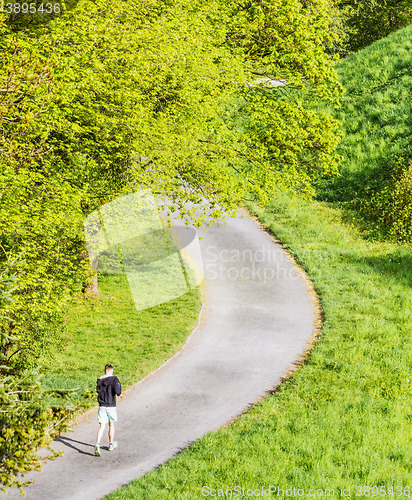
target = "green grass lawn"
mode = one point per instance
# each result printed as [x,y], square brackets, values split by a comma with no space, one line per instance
[107,328]
[344,419]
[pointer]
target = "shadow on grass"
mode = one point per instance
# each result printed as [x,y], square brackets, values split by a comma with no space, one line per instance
[352,186]
[396,266]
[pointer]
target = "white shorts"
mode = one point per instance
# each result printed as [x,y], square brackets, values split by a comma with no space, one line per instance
[107,414]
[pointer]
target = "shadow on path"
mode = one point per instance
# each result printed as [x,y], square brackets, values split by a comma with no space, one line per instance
[67,442]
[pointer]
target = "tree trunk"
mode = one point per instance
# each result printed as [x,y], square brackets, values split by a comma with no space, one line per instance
[93,286]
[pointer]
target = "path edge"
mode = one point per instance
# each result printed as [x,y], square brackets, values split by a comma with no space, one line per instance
[315,301]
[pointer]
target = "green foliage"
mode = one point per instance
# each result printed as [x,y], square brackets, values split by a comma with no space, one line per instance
[25,82]
[8,280]
[144,93]
[40,214]
[286,39]
[371,20]
[287,143]
[51,269]
[285,140]
[26,422]
[138,85]
[392,206]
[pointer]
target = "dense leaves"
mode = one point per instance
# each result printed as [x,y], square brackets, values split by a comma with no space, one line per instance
[136,91]
[371,20]
[40,260]
[284,141]
[26,421]
[147,94]
[391,208]
[40,216]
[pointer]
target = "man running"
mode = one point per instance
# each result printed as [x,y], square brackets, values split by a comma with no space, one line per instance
[108,386]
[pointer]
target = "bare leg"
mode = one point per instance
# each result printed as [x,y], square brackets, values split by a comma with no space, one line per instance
[100,433]
[111,432]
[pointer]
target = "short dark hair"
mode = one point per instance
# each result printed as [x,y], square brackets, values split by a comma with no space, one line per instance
[107,368]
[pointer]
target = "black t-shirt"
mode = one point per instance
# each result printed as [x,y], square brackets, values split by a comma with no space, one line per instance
[108,387]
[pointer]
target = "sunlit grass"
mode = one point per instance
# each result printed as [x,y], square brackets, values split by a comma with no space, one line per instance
[107,328]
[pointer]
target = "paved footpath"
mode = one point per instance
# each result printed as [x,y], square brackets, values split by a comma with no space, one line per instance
[257,316]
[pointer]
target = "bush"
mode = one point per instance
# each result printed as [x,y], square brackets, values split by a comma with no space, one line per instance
[391,208]
[25,425]
[371,20]
[26,421]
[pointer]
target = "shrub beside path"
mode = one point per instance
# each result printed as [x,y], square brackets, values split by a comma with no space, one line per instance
[257,318]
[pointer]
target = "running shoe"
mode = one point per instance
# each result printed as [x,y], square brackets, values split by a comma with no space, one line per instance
[112,446]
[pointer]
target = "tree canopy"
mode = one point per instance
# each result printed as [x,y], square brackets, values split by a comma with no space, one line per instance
[110,97]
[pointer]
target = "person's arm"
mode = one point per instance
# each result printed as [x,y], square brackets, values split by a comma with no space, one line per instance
[117,387]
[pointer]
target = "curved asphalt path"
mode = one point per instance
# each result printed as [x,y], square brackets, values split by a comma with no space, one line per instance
[257,318]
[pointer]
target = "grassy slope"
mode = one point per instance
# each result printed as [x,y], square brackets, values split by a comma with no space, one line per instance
[108,329]
[376,115]
[344,419]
